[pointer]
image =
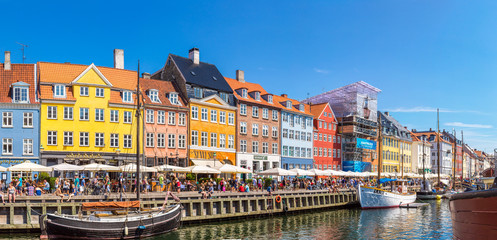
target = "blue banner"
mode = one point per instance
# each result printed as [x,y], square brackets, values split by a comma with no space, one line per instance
[366,144]
[356,166]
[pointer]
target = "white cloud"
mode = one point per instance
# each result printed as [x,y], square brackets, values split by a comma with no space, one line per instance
[323,71]
[417,109]
[467,125]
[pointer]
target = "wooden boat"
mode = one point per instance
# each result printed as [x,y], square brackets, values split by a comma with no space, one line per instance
[474,214]
[111,224]
[426,192]
[370,197]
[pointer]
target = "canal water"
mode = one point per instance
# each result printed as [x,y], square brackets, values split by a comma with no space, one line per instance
[431,222]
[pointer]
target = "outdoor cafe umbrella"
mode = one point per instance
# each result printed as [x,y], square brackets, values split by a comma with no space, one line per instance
[171,168]
[202,169]
[301,172]
[67,167]
[318,172]
[228,168]
[2,169]
[276,172]
[95,167]
[132,168]
[28,166]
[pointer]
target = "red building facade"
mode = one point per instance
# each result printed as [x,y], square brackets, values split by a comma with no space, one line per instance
[327,141]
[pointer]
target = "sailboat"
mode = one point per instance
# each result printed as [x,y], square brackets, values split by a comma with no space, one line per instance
[114,220]
[376,197]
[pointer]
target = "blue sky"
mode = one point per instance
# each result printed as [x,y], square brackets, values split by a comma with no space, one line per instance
[423,55]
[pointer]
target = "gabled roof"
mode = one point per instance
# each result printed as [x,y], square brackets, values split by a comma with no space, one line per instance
[203,74]
[395,124]
[94,68]
[205,101]
[19,73]
[251,87]
[318,109]
[280,102]
[163,88]
[430,133]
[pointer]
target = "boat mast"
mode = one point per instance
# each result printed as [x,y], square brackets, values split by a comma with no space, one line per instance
[454,161]
[423,144]
[462,160]
[402,157]
[380,153]
[438,146]
[137,114]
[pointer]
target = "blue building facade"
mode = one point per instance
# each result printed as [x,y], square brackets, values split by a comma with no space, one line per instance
[20,113]
[296,134]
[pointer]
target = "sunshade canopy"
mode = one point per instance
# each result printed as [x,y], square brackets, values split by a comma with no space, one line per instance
[28,166]
[66,167]
[276,172]
[94,167]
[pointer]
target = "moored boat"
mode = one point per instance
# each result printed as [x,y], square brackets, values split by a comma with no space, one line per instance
[370,197]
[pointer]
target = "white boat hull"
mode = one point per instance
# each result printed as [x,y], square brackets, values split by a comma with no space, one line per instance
[370,197]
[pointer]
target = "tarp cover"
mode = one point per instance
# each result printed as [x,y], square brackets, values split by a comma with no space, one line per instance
[384,180]
[98,206]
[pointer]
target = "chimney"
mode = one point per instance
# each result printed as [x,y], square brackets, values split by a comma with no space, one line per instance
[284,95]
[119,58]
[387,113]
[146,75]
[194,55]
[431,130]
[6,65]
[240,76]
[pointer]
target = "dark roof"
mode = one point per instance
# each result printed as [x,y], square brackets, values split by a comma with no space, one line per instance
[202,74]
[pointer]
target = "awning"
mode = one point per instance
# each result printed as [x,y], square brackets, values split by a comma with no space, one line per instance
[207,163]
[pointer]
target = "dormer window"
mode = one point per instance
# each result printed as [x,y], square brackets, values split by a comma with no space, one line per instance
[224,96]
[60,91]
[173,98]
[244,93]
[127,97]
[20,95]
[288,104]
[257,96]
[270,98]
[198,92]
[301,107]
[153,95]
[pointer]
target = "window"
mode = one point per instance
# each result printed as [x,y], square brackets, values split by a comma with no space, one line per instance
[99,92]
[195,138]
[213,116]
[334,139]
[275,132]
[222,140]
[301,107]
[338,139]
[265,113]
[84,139]
[291,120]
[285,150]
[329,138]
[203,139]
[325,152]
[149,140]
[68,113]
[83,91]
[243,127]
[60,91]
[275,148]
[338,153]
[325,137]
[27,147]
[255,129]
[128,140]
[315,151]
[290,134]
[302,154]
[127,97]
[171,140]
[224,96]
[51,112]
[154,96]
[285,133]
[290,151]
[309,137]
[265,130]
[99,115]
[309,153]
[182,119]
[20,95]
[255,111]
[269,98]
[7,119]
[67,138]
[52,138]
[243,109]
[315,136]
[161,140]
[320,137]
[7,146]
[99,140]
[84,114]
[329,125]
[329,152]
[198,92]
[181,141]
[231,118]
[275,115]
[285,117]
[204,114]
[255,147]
[244,93]
[243,146]
[265,147]
[173,98]
[231,141]
[171,118]
[222,117]
[320,152]
[288,104]
[320,124]
[114,140]
[297,135]
[127,117]
[194,112]
[334,153]
[213,139]
[150,116]
[297,152]
[27,120]
[114,115]
[257,96]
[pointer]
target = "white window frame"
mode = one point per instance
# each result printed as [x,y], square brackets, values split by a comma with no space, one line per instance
[99,92]
[222,140]
[222,117]
[114,115]
[257,96]
[68,138]
[255,147]
[243,109]
[194,138]
[204,139]
[231,118]
[171,118]
[275,132]
[99,139]
[243,128]
[114,140]
[161,140]
[161,117]
[181,141]
[265,113]
[182,119]
[7,119]
[265,130]
[171,140]
[255,111]
[84,114]
[59,91]
[51,112]
[127,141]
[204,114]
[149,116]
[243,146]
[149,140]
[213,116]
[84,91]
[127,97]
[27,146]
[84,139]
[7,146]
[52,138]
[231,141]
[68,113]
[173,98]
[255,129]
[213,140]
[194,114]
[99,115]
[127,117]
[27,120]
[244,93]
[274,149]
[20,95]
[265,148]
[154,96]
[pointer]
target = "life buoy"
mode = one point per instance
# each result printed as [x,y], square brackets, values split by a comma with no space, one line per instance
[278,199]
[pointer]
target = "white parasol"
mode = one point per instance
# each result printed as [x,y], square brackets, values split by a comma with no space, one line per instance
[171,168]
[228,168]
[28,166]
[202,169]
[95,167]
[276,172]
[301,172]
[131,167]
[67,167]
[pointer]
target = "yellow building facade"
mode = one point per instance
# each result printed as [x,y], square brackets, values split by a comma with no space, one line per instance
[88,118]
[212,135]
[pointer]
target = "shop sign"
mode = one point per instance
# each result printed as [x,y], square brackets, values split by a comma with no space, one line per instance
[202,154]
[244,162]
[85,155]
[259,157]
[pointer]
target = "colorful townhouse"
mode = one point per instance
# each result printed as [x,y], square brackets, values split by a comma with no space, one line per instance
[445,151]
[166,123]
[212,120]
[258,123]
[457,147]
[396,145]
[420,154]
[296,133]
[88,113]
[20,111]
[326,140]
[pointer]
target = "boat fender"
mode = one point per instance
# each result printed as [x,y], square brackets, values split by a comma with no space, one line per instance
[439,197]
[126,230]
[278,199]
[285,209]
[141,227]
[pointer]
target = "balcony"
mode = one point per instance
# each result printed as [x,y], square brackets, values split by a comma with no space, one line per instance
[352,129]
[358,120]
